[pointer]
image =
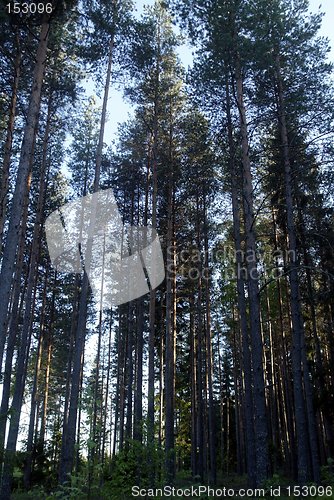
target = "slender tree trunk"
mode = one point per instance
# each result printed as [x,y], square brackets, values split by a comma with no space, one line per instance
[285,375]
[169,359]
[193,383]
[106,397]
[49,347]
[138,399]
[221,405]
[199,349]
[123,376]
[152,307]
[129,354]
[211,410]
[78,427]
[129,382]
[272,379]
[95,436]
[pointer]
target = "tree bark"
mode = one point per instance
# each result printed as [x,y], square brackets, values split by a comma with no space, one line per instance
[305,425]
[239,267]
[20,193]
[261,433]
[169,358]
[9,140]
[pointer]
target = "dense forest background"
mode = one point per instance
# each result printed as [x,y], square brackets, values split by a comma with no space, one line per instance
[225,372]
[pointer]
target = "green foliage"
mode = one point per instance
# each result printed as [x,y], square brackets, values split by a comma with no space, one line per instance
[272,482]
[133,466]
[75,488]
[327,473]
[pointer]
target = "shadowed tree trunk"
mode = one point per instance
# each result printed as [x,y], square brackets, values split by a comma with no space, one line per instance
[260,416]
[9,140]
[21,190]
[239,267]
[305,423]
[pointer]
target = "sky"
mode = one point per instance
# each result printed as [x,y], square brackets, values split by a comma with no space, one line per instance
[118,109]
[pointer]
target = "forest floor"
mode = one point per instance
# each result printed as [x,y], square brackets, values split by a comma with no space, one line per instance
[275,488]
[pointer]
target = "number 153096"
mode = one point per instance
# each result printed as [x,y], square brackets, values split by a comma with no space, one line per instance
[29,8]
[310,491]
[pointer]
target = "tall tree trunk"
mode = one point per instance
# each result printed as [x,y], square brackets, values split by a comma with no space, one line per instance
[138,398]
[45,401]
[21,371]
[193,383]
[22,362]
[285,375]
[69,431]
[305,424]
[42,192]
[129,381]
[152,307]
[123,375]
[106,397]
[169,358]
[199,349]
[9,139]
[211,410]
[21,191]
[129,354]
[246,355]
[16,310]
[261,433]
[93,452]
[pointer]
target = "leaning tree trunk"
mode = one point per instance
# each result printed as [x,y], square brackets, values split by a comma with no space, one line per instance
[16,307]
[21,191]
[9,141]
[24,346]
